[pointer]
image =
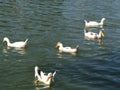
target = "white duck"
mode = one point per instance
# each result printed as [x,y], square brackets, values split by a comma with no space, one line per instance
[61,48]
[92,35]
[42,77]
[19,44]
[94,23]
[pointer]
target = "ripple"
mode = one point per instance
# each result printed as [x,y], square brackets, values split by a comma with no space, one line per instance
[94,67]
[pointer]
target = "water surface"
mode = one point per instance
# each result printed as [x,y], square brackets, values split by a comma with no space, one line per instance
[44,23]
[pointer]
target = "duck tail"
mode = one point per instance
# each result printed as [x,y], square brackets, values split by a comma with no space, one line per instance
[26,40]
[54,73]
[77,46]
[36,69]
[85,21]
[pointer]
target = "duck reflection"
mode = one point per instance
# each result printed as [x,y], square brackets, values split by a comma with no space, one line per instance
[101,42]
[60,54]
[17,50]
[44,88]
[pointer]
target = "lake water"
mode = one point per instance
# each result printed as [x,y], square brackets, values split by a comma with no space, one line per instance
[96,66]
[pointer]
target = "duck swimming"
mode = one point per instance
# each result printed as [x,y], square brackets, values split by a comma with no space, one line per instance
[19,44]
[92,35]
[61,48]
[94,23]
[43,77]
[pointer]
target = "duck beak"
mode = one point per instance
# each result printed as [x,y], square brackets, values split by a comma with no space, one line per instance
[103,34]
[56,46]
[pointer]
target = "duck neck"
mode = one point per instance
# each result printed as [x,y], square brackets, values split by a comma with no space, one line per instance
[102,21]
[100,34]
[8,42]
[85,21]
[36,72]
[37,75]
[61,46]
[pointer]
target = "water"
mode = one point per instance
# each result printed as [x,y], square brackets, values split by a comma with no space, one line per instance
[44,23]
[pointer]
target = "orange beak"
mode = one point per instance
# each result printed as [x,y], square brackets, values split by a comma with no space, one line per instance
[103,34]
[57,46]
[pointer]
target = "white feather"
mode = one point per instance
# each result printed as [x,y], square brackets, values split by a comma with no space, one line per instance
[92,35]
[45,78]
[18,44]
[61,48]
[94,23]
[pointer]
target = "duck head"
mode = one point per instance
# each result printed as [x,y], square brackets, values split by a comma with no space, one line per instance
[59,44]
[5,39]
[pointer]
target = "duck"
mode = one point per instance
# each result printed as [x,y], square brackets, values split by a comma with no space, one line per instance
[94,23]
[40,76]
[19,44]
[92,35]
[67,49]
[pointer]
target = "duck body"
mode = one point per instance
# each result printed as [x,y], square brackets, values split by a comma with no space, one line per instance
[94,23]
[47,79]
[61,48]
[19,44]
[92,35]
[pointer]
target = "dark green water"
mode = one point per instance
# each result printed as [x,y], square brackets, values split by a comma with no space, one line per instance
[44,23]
